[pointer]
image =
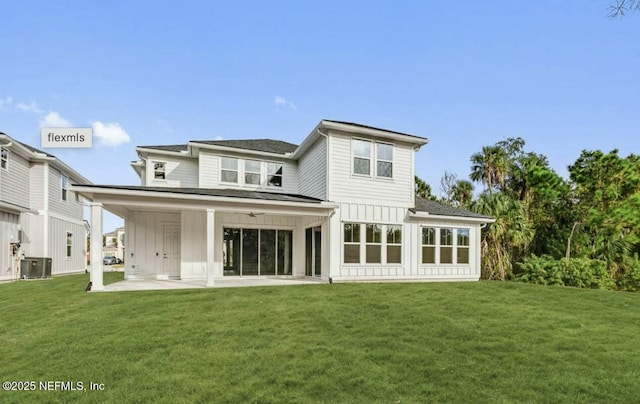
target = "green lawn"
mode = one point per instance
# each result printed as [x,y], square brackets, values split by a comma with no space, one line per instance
[428,342]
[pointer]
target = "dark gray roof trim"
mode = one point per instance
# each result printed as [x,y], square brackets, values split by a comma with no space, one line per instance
[171,148]
[229,193]
[358,125]
[439,209]
[263,145]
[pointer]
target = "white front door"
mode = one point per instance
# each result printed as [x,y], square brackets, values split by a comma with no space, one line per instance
[171,250]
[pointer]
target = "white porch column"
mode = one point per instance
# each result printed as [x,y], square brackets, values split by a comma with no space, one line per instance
[96,246]
[210,245]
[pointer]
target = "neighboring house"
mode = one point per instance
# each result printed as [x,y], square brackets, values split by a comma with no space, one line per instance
[340,206]
[40,216]
[114,244]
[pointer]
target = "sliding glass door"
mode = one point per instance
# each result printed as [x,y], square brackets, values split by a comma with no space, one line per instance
[257,252]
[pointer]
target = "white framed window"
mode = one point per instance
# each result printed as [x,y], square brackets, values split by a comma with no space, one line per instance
[64,183]
[374,244]
[394,244]
[384,160]
[252,172]
[69,244]
[4,158]
[229,170]
[462,249]
[428,245]
[159,170]
[446,246]
[362,157]
[352,243]
[274,174]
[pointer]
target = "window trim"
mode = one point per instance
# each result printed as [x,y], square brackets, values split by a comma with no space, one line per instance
[395,243]
[64,187]
[156,170]
[353,157]
[69,245]
[363,243]
[237,170]
[438,246]
[4,158]
[281,175]
[259,173]
[373,243]
[385,161]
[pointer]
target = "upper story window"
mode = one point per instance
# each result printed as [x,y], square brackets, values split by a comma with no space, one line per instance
[274,174]
[4,159]
[361,157]
[229,170]
[159,171]
[252,172]
[364,158]
[64,181]
[384,160]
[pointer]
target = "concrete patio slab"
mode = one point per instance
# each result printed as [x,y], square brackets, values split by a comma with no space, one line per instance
[153,284]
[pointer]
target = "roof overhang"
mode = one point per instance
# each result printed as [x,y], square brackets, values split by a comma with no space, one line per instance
[13,208]
[144,151]
[122,201]
[468,219]
[237,150]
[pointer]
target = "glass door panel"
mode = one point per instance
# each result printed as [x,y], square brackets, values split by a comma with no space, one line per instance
[267,252]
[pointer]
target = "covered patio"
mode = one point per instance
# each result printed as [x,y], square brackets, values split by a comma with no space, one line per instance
[192,237]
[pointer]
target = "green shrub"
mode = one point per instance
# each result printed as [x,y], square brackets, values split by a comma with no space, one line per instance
[576,272]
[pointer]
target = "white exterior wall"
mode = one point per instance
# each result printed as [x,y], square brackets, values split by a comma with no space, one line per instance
[36,186]
[144,246]
[58,228]
[209,172]
[193,252]
[33,235]
[14,181]
[71,208]
[8,233]
[312,171]
[179,172]
[344,186]
[411,266]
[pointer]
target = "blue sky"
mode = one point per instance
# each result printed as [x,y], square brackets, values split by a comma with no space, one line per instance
[465,74]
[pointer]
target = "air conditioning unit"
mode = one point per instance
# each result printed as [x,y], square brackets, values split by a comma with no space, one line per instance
[35,268]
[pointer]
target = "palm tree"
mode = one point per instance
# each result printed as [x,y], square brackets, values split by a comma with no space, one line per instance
[463,193]
[423,190]
[490,167]
[506,237]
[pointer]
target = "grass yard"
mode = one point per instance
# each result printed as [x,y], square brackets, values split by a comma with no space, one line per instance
[390,343]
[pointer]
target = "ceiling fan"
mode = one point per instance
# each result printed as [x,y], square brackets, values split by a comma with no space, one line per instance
[251,214]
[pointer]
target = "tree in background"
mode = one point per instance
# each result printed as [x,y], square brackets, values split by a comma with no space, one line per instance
[462,194]
[422,189]
[622,7]
[490,167]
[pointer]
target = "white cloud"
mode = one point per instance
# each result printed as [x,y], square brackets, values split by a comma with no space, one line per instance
[110,134]
[282,102]
[32,107]
[4,103]
[54,120]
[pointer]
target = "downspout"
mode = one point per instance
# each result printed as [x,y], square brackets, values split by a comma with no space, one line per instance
[326,174]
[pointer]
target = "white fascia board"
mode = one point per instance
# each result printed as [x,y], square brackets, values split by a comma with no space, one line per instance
[379,133]
[238,150]
[137,167]
[86,191]
[426,215]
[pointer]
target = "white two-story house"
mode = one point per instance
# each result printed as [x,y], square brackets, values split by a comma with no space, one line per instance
[338,207]
[40,216]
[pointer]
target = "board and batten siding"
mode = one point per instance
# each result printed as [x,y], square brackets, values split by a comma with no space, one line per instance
[14,181]
[58,229]
[209,172]
[71,208]
[33,235]
[144,243]
[179,172]
[193,246]
[8,233]
[36,186]
[344,186]
[312,171]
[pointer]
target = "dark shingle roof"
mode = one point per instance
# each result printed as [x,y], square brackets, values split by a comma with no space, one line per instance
[439,209]
[172,148]
[359,125]
[231,193]
[263,145]
[33,149]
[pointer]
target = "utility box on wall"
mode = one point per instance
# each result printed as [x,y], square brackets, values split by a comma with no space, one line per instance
[35,268]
